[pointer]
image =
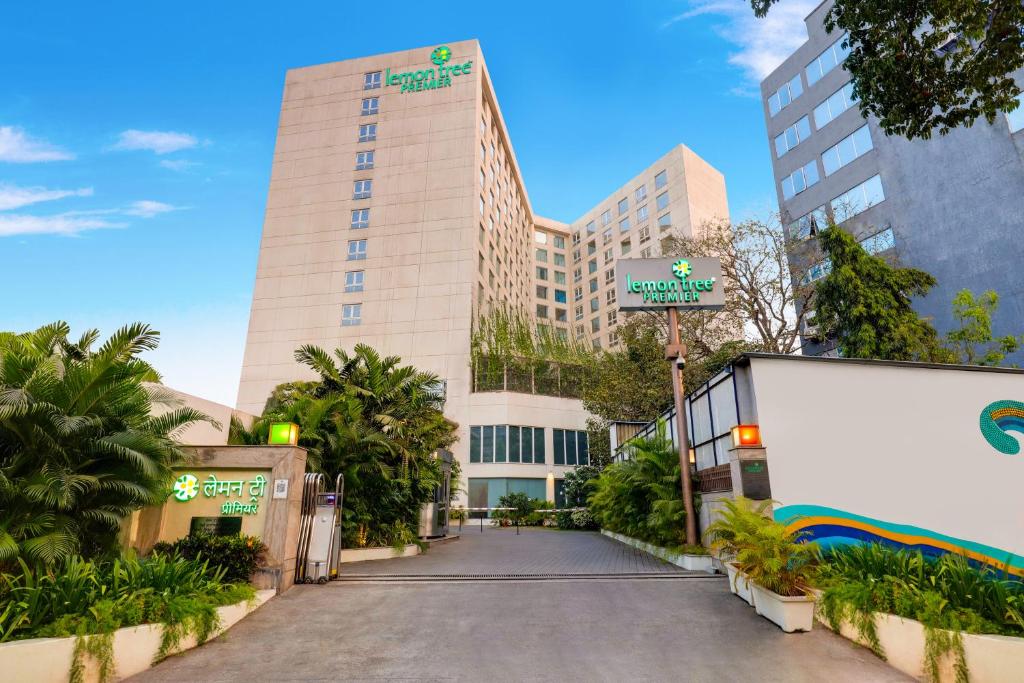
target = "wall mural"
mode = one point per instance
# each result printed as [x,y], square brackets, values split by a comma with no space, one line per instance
[998,418]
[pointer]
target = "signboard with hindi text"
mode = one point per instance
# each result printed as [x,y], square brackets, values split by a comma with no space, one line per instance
[213,493]
[659,283]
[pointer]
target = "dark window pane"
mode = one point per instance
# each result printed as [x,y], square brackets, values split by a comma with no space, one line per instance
[570,447]
[513,444]
[538,445]
[488,444]
[584,448]
[499,443]
[559,446]
[474,444]
[527,444]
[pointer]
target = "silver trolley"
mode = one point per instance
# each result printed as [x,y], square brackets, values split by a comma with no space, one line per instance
[319,548]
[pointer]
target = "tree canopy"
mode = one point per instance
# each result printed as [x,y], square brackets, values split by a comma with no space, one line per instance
[971,341]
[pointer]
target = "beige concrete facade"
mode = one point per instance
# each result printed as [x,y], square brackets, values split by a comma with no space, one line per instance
[443,229]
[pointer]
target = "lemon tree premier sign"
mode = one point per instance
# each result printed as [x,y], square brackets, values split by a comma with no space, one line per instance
[430,78]
[659,283]
[187,486]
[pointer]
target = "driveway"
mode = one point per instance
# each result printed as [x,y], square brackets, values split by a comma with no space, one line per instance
[418,620]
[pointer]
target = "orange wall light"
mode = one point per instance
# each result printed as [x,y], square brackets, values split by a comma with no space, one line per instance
[746,435]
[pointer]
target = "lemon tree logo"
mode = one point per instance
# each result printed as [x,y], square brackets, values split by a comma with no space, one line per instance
[186,487]
[997,419]
[682,268]
[441,55]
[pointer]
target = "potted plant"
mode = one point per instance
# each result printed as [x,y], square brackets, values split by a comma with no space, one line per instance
[732,531]
[779,566]
[696,558]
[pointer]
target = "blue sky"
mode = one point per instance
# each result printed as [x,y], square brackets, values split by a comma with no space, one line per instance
[136,139]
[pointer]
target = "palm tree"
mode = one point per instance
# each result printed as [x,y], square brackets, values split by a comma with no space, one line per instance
[79,448]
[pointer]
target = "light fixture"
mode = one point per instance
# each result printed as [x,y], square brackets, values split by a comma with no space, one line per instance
[693,457]
[746,436]
[284,434]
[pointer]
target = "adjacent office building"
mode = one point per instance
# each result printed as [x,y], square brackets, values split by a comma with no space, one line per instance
[952,205]
[397,213]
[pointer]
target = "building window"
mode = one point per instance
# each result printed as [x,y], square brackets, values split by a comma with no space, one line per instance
[609,276]
[561,317]
[593,285]
[613,338]
[606,217]
[858,199]
[362,189]
[361,218]
[816,272]
[624,224]
[364,160]
[367,132]
[623,206]
[641,215]
[809,224]
[595,305]
[371,81]
[781,98]
[665,221]
[640,194]
[560,296]
[591,248]
[662,201]
[542,273]
[577,274]
[645,253]
[626,246]
[542,292]
[542,255]
[608,255]
[370,106]
[540,237]
[610,299]
[1015,118]
[351,314]
[570,447]
[833,56]
[542,311]
[559,242]
[834,105]
[591,227]
[506,443]
[661,180]
[879,242]
[800,180]
[792,136]
[559,277]
[356,250]
[592,266]
[577,294]
[354,281]
[606,236]
[645,234]
[559,260]
[595,325]
[579,312]
[848,149]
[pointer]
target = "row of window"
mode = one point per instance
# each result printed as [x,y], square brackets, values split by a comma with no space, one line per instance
[639,195]
[873,244]
[570,447]
[834,105]
[847,205]
[830,58]
[506,443]
[854,145]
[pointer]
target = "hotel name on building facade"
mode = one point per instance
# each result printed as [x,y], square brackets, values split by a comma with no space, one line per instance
[397,213]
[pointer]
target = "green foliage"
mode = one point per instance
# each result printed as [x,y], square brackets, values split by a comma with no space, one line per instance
[634,381]
[538,515]
[971,341]
[946,594]
[582,519]
[377,422]
[521,506]
[577,484]
[599,445]
[642,497]
[78,597]
[79,446]
[865,304]
[238,556]
[737,522]
[905,75]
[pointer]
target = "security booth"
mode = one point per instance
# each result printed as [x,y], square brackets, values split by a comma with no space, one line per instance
[434,514]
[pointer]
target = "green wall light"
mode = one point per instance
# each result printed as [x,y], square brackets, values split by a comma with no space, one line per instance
[284,434]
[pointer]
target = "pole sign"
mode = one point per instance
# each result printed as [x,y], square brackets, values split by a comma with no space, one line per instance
[658,283]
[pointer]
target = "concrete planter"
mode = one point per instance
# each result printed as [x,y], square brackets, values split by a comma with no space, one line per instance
[990,658]
[48,660]
[739,583]
[790,613]
[364,554]
[694,563]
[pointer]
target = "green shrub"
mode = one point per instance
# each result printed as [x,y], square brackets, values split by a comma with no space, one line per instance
[563,518]
[582,519]
[739,520]
[239,556]
[536,516]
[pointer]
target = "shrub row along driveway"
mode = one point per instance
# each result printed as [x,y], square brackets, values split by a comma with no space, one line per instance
[646,621]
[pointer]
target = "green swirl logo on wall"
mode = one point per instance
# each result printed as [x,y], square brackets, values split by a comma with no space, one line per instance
[682,268]
[441,55]
[1001,417]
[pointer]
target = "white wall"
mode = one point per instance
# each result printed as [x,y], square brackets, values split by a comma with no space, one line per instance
[898,445]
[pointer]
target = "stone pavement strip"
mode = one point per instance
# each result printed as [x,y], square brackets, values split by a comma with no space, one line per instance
[669,627]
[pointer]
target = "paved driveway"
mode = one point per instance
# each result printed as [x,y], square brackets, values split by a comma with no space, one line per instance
[652,625]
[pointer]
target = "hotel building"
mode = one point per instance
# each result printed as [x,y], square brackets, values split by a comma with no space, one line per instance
[397,212]
[951,205]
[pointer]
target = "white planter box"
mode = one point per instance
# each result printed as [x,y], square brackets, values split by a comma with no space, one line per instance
[790,613]
[48,660]
[694,563]
[739,584]
[990,658]
[364,554]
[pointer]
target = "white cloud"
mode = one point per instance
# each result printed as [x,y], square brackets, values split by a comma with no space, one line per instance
[763,43]
[13,197]
[161,142]
[61,224]
[16,146]
[147,208]
[179,165]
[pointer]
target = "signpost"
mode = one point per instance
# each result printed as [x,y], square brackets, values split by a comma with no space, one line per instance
[671,284]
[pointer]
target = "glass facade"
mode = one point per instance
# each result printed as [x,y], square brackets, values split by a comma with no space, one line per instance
[506,443]
[486,492]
